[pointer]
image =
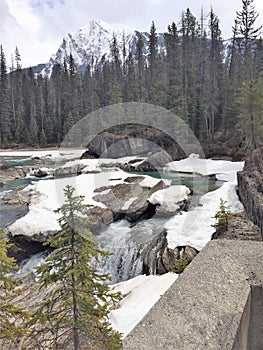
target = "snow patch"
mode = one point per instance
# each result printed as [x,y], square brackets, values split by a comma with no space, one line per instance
[194,227]
[169,198]
[224,169]
[140,294]
[45,154]
[149,181]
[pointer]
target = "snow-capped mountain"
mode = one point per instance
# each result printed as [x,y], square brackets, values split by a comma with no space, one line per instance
[91,44]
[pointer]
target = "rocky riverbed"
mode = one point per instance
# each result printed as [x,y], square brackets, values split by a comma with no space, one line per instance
[149,244]
[9,173]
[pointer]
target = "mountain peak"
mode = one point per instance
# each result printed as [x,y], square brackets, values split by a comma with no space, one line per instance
[92,43]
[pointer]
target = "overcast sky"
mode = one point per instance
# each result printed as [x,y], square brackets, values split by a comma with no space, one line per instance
[37,27]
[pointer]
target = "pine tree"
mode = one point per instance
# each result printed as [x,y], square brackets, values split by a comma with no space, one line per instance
[116,96]
[116,61]
[75,314]
[222,217]
[12,317]
[18,59]
[140,65]
[250,102]
[5,132]
[246,22]
[247,31]
[215,71]
[173,55]
[258,59]
[153,52]
[20,102]
[188,98]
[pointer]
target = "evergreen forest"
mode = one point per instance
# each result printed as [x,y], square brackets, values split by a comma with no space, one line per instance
[214,85]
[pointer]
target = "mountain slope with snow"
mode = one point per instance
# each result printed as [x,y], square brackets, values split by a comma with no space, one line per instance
[91,45]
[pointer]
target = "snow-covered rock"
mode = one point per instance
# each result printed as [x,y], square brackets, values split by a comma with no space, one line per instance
[223,169]
[79,166]
[47,196]
[170,199]
[91,44]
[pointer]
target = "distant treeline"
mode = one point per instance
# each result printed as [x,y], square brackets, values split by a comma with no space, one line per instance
[215,86]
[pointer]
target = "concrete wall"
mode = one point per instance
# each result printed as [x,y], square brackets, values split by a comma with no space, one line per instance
[250,332]
[204,308]
[255,330]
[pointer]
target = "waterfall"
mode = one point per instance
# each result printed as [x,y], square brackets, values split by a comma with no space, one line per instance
[133,250]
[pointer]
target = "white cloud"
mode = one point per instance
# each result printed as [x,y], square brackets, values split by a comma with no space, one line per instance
[38,26]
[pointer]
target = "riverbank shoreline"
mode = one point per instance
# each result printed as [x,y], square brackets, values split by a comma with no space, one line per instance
[28,149]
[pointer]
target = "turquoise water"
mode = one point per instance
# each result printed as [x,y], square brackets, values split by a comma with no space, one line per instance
[21,183]
[199,184]
[18,161]
[10,213]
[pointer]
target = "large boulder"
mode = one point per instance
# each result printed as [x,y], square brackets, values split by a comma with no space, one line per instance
[155,161]
[140,207]
[77,167]
[41,172]
[250,187]
[98,218]
[171,199]
[20,195]
[129,200]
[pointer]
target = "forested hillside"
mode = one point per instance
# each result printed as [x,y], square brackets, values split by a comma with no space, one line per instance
[214,85]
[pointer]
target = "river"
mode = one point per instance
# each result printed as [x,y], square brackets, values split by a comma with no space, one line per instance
[126,242]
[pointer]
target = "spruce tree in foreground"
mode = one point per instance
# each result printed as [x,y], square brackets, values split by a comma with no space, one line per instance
[74,314]
[12,317]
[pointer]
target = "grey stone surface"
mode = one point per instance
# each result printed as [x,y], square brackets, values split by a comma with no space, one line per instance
[204,307]
[250,331]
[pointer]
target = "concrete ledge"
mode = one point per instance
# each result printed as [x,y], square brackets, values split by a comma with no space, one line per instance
[203,309]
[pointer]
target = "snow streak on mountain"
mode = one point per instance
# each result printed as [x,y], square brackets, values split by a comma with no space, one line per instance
[91,44]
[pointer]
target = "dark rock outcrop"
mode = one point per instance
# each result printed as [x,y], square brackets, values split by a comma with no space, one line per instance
[169,259]
[23,248]
[240,228]
[133,141]
[151,251]
[250,187]
[40,173]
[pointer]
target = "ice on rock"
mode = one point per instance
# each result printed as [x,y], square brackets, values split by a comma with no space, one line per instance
[224,170]
[169,198]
